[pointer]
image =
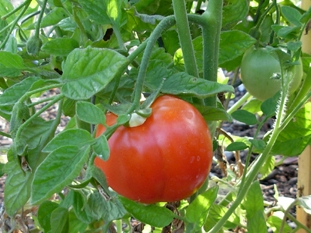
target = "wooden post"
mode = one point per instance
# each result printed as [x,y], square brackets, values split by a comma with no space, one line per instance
[304,162]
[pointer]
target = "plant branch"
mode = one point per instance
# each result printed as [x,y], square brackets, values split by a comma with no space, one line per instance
[184,35]
[254,170]
[162,26]
[211,41]
[25,5]
[37,32]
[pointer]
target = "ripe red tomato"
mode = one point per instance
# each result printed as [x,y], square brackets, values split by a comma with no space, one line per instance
[167,158]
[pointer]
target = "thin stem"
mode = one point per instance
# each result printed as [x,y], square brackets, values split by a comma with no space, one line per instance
[131,59]
[5,134]
[40,101]
[4,17]
[299,224]
[30,93]
[226,104]
[119,38]
[184,35]
[37,32]
[253,172]
[239,103]
[198,7]
[162,26]
[25,5]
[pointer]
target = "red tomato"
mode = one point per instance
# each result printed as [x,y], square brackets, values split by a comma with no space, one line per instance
[167,158]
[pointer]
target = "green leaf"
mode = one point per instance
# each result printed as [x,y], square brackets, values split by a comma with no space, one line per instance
[88,71]
[291,15]
[216,213]
[11,95]
[306,16]
[305,203]
[75,224]
[109,210]
[59,220]
[275,222]
[60,46]
[52,18]
[245,117]
[297,132]
[44,214]
[57,170]
[33,137]
[252,106]
[17,188]
[268,107]
[197,211]
[101,147]
[213,113]
[97,10]
[258,144]
[182,83]
[233,12]
[79,204]
[235,146]
[5,7]
[253,204]
[70,137]
[268,167]
[150,214]
[90,113]
[233,44]
[11,64]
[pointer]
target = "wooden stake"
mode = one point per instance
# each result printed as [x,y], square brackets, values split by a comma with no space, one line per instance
[304,162]
[304,186]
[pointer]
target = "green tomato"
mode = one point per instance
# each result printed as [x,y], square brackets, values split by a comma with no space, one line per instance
[259,68]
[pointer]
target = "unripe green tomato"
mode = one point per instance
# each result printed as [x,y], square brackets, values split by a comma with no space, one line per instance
[257,70]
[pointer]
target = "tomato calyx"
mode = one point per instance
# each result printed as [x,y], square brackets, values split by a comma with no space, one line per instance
[139,117]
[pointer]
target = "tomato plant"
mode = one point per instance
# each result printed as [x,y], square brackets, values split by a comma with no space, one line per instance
[261,73]
[67,67]
[167,158]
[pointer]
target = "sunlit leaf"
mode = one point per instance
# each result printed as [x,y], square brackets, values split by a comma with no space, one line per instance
[151,214]
[88,71]
[57,170]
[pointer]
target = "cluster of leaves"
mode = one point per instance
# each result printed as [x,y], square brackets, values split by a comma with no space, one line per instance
[91,54]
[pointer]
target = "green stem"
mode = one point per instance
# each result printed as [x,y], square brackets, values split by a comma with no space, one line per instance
[211,41]
[253,172]
[5,134]
[119,37]
[239,103]
[40,101]
[299,224]
[198,7]
[4,17]
[131,59]
[25,5]
[162,26]
[184,35]
[30,93]
[37,32]
[248,157]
